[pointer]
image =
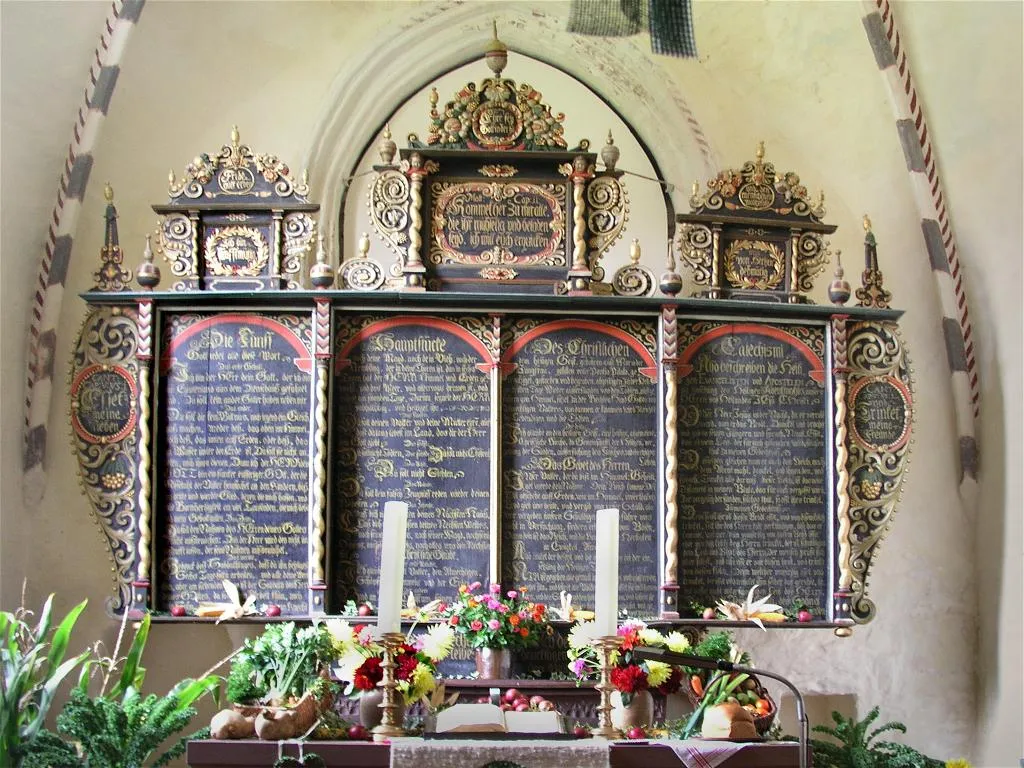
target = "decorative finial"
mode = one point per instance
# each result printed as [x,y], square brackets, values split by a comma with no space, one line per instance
[871,293]
[610,153]
[108,192]
[171,180]
[634,251]
[760,151]
[111,276]
[148,274]
[696,188]
[235,138]
[304,178]
[671,282]
[387,147]
[496,54]
[321,274]
[432,98]
[839,289]
[364,246]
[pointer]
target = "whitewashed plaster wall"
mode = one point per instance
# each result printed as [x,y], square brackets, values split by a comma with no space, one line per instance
[944,654]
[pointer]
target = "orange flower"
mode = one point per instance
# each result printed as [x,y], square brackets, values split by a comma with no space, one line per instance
[514,619]
[473,603]
[524,632]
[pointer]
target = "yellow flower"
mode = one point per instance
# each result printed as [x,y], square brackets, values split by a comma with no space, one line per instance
[677,642]
[657,673]
[958,763]
[650,636]
[421,684]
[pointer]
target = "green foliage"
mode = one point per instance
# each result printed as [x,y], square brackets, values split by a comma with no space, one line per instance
[714,645]
[120,728]
[34,666]
[858,748]
[283,662]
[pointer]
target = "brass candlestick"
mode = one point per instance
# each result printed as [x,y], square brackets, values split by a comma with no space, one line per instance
[606,646]
[388,728]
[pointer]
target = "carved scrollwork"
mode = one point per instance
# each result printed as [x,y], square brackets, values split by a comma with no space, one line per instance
[177,244]
[108,342]
[812,256]
[876,354]
[362,275]
[389,209]
[608,206]
[693,244]
[298,236]
[633,280]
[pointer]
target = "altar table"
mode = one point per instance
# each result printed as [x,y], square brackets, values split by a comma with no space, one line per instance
[251,753]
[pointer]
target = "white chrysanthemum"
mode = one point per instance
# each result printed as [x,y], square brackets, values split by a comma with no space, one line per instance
[657,673]
[583,634]
[341,632]
[651,637]
[437,641]
[677,642]
[348,663]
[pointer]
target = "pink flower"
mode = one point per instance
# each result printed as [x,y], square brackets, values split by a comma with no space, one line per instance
[492,603]
[502,608]
[524,614]
[474,585]
[578,666]
[494,624]
[513,594]
[495,588]
[476,625]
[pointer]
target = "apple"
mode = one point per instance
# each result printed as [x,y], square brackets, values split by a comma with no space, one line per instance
[636,732]
[804,616]
[535,701]
[505,706]
[358,732]
[709,614]
[512,694]
[546,706]
[482,700]
[581,732]
[177,610]
[364,609]
[273,610]
[523,706]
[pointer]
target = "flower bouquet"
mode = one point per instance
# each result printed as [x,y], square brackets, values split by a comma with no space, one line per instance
[495,618]
[629,675]
[359,659]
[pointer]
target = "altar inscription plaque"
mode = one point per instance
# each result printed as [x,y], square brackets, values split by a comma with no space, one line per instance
[579,420]
[411,423]
[753,502]
[235,395]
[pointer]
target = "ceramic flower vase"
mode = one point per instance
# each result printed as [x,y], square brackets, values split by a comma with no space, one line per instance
[639,713]
[493,663]
[370,713]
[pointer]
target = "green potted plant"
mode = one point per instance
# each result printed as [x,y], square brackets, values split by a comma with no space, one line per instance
[118,727]
[34,666]
[279,680]
[859,748]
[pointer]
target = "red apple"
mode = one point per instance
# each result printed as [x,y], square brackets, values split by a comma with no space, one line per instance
[636,732]
[512,694]
[523,706]
[273,610]
[364,609]
[177,610]
[804,616]
[358,732]
[581,732]
[709,614]
[505,706]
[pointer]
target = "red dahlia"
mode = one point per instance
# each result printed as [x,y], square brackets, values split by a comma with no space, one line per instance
[629,679]
[368,674]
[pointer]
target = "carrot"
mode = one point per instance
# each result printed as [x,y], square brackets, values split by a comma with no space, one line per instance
[697,685]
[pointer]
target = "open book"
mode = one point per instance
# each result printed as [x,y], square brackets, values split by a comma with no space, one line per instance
[488,718]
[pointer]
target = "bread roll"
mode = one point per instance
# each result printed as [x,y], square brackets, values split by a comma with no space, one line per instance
[728,721]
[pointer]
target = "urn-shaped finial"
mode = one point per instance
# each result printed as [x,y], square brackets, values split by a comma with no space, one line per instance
[609,153]
[148,273]
[496,54]
[387,147]
[321,274]
[838,289]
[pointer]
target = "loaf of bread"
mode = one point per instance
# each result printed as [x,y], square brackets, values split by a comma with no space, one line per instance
[728,721]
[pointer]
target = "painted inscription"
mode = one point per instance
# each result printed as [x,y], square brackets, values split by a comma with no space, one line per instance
[752,472]
[412,423]
[881,413]
[579,433]
[235,395]
[498,223]
[103,404]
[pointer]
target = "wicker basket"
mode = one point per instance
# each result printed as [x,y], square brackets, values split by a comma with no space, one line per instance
[761,722]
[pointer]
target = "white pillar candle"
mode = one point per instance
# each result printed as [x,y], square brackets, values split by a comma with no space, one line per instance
[392,566]
[606,583]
